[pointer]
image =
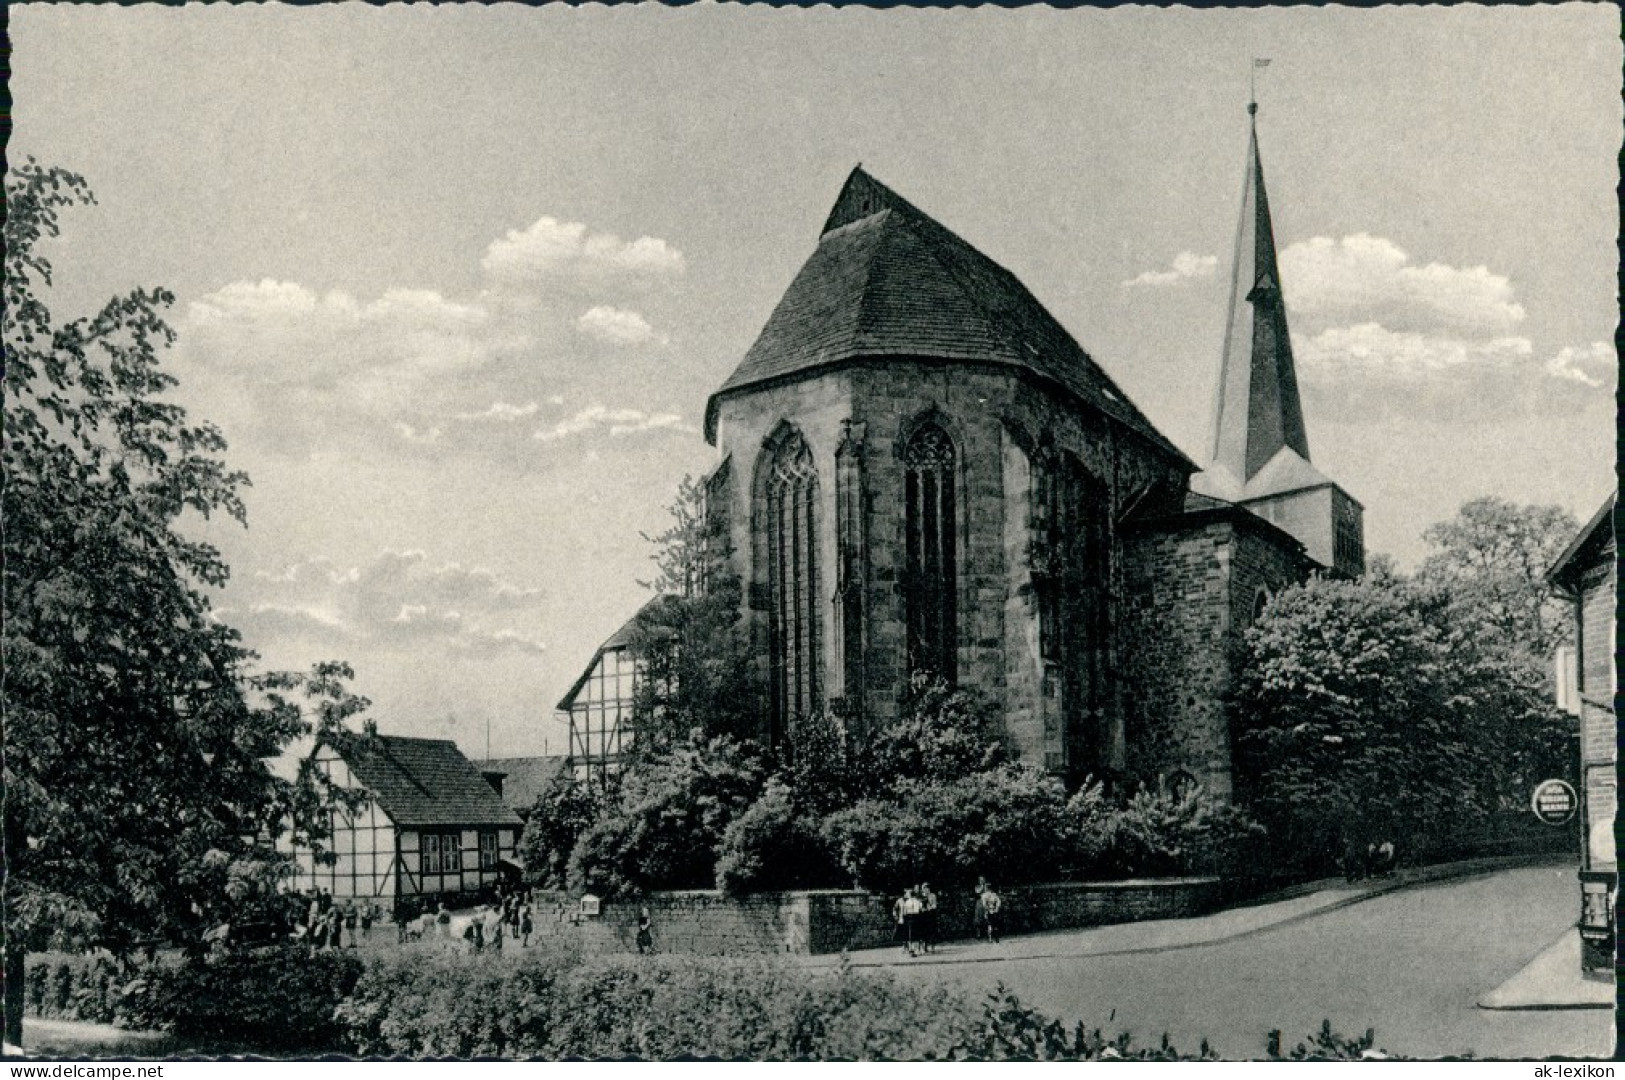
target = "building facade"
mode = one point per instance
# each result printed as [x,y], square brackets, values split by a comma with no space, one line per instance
[429,828]
[1587,577]
[921,472]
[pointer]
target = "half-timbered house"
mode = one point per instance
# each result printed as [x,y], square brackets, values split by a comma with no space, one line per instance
[430,828]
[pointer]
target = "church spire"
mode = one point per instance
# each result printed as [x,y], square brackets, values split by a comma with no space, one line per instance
[1258,411]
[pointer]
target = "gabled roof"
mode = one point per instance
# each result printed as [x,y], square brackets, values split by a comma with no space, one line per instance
[420,782]
[620,639]
[1593,544]
[1287,471]
[887,280]
[523,778]
[1257,412]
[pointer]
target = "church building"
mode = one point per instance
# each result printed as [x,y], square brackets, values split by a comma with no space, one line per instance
[922,471]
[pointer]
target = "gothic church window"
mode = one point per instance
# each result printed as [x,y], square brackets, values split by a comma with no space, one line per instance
[1071,570]
[793,595]
[850,573]
[932,568]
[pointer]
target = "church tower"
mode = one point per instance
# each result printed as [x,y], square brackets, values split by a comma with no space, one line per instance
[1259,452]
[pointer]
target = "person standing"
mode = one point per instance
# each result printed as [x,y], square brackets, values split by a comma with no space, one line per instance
[352,919]
[527,926]
[990,906]
[911,920]
[928,917]
[369,914]
[646,939]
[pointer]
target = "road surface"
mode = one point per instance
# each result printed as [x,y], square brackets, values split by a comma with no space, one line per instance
[1411,963]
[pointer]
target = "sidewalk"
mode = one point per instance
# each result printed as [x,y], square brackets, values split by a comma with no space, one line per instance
[1552,980]
[1121,939]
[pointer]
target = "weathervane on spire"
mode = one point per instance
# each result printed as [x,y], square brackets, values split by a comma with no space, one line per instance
[1252,85]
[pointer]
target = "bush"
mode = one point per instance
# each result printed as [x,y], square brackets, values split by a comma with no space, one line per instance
[772,846]
[669,819]
[943,735]
[564,810]
[1005,824]
[276,1000]
[1158,833]
[660,1008]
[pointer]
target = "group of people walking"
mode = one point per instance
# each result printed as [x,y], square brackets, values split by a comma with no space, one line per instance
[916,913]
[330,925]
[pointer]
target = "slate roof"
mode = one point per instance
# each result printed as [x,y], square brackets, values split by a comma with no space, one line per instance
[523,778]
[426,782]
[887,280]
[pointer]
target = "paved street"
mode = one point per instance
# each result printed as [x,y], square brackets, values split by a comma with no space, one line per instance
[1411,963]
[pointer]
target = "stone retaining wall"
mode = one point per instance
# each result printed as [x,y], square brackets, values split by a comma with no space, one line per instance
[709,924]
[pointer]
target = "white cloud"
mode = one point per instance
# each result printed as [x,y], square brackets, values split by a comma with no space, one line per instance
[1371,277]
[398,600]
[1372,350]
[616,326]
[1595,365]
[499,411]
[413,435]
[552,248]
[617,421]
[1186,265]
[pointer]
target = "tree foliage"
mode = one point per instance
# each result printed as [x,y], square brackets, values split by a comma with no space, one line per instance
[1490,562]
[135,732]
[695,666]
[1369,710]
[564,810]
[665,826]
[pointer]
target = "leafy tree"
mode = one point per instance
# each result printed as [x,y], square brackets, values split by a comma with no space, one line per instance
[775,844]
[942,734]
[695,664]
[1366,710]
[564,810]
[1491,560]
[135,737]
[1006,823]
[668,821]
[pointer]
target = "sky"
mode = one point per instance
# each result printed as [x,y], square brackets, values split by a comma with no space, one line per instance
[456,282]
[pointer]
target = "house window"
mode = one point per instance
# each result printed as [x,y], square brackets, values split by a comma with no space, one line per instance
[451,853]
[792,572]
[431,853]
[930,533]
[488,850]
[442,853]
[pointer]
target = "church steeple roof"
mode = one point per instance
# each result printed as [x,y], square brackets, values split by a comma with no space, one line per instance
[888,280]
[1257,414]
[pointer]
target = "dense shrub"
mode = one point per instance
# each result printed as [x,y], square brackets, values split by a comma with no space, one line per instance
[668,820]
[774,845]
[943,735]
[666,1007]
[564,810]
[1006,824]
[1160,833]
[279,999]
[74,988]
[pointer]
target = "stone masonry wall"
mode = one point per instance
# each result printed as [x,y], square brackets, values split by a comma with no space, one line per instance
[823,922]
[1191,592]
[992,413]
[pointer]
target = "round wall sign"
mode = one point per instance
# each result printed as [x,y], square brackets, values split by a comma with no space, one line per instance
[1554,801]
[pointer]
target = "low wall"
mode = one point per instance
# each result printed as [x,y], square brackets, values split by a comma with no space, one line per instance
[709,924]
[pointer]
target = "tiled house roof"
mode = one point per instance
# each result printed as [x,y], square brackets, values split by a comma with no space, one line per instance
[887,280]
[523,778]
[426,782]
